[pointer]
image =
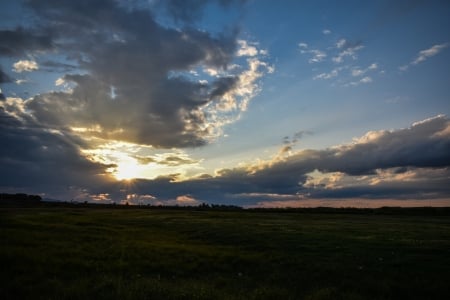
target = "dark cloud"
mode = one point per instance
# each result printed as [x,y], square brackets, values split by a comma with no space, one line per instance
[54,66]
[42,160]
[419,153]
[301,134]
[20,41]
[124,49]
[185,11]
[127,75]
[423,145]
[221,86]
[4,78]
[191,11]
[420,145]
[410,163]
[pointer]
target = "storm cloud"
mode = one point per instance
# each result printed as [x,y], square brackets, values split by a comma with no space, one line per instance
[134,82]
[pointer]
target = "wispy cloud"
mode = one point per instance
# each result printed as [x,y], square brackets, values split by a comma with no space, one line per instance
[340,44]
[359,72]
[317,55]
[424,55]
[347,52]
[427,53]
[364,80]
[329,75]
[343,53]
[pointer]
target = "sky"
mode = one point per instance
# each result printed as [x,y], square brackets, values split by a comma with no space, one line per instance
[251,103]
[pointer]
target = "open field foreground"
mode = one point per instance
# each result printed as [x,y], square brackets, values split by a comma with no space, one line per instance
[117,253]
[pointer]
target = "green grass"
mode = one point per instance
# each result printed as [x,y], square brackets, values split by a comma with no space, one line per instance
[112,253]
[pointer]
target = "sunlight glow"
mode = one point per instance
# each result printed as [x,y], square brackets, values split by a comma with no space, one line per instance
[131,161]
[127,170]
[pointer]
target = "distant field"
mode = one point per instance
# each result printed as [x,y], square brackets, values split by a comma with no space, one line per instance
[117,253]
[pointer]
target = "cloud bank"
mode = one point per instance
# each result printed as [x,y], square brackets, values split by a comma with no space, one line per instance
[404,164]
[410,164]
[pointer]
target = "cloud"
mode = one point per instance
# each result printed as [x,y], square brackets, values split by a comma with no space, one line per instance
[54,66]
[246,49]
[147,199]
[430,52]
[411,163]
[164,85]
[40,159]
[326,31]
[359,72]
[317,55]
[346,49]
[22,41]
[364,80]
[25,66]
[338,52]
[289,143]
[4,78]
[341,43]
[21,81]
[182,11]
[191,11]
[301,134]
[131,77]
[425,55]
[329,75]
[59,81]
[303,45]
[169,159]
[349,51]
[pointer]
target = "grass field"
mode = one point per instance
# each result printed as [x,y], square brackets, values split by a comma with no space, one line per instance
[130,253]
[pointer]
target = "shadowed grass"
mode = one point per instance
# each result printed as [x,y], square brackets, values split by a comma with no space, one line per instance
[112,253]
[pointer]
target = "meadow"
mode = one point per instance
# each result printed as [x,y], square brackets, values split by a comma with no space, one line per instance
[82,252]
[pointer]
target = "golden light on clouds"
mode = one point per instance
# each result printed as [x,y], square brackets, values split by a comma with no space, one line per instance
[129,169]
[122,157]
[131,161]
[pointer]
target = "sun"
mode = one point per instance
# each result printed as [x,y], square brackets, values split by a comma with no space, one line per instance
[127,161]
[127,170]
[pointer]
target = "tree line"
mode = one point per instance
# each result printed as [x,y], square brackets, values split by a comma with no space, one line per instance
[19,198]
